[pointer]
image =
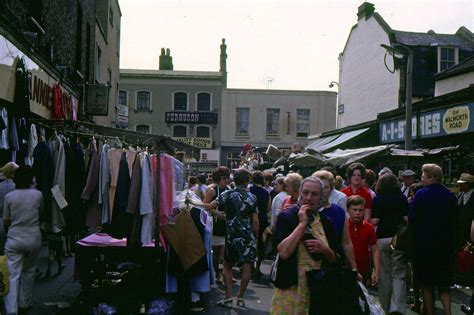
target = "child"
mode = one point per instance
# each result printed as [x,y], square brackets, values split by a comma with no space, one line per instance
[363,236]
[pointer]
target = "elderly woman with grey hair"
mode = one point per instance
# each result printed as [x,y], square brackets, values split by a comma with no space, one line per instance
[305,240]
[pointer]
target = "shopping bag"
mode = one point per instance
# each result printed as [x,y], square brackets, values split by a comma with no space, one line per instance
[465,260]
[4,277]
[374,307]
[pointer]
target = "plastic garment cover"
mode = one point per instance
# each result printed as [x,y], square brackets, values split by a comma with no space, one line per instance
[375,308]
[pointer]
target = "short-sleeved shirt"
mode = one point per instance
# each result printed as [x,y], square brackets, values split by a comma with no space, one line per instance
[362,237]
[364,193]
[337,216]
[23,207]
[390,210]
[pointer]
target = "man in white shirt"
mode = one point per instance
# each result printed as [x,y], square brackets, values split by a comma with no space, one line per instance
[408,177]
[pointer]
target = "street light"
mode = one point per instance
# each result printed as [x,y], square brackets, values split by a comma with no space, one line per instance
[400,51]
[331,85]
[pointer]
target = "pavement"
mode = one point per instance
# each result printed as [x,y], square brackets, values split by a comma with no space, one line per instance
[58,294]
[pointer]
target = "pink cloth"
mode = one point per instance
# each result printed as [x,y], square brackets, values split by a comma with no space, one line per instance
[104,239]
[166,187]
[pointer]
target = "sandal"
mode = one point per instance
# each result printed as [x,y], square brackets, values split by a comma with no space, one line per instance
[225,302]
[240,302]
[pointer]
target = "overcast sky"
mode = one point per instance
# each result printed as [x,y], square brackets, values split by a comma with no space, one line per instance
[292,43]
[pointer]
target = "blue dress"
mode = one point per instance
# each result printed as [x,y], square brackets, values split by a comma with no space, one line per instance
[433,218]
[240,245]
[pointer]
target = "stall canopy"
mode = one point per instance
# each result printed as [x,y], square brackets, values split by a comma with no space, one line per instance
[332,142]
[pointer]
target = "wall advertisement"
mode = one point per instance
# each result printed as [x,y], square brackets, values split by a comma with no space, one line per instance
[203,143]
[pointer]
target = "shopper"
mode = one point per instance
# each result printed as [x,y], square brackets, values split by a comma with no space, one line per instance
[389,210]
[433,218]
[6,185]
[22,208]
[355,174]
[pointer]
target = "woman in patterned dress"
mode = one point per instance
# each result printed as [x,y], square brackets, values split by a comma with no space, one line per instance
[304,238]
[241,217]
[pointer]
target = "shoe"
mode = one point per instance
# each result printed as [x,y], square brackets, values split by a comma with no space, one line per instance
[234,280]
[219,279]
[240,302]
[225,303]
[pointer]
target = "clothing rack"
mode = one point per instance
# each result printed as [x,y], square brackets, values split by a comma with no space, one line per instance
[162,144]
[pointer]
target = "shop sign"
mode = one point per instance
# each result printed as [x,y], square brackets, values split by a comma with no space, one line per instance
[122,116]
[97,99]
[442,122]
[191,117]
[203,143]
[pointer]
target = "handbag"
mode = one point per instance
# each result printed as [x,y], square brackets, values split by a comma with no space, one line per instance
[4,277]
[400,239]
[274,270]
[465,259]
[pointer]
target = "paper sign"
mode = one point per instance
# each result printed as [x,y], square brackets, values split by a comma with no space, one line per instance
[59,197]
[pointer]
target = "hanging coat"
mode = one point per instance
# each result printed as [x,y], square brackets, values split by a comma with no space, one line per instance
[59,163]
[133,202]
[121,220]
[43,170]
[90,192]
[146,201]
[104,184]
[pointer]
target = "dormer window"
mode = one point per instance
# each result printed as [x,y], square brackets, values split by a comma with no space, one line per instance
[447,57]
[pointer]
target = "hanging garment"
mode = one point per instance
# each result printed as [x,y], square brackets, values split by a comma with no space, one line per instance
[4,133]
[23,132]
[146,201]
[121,220]
[32,142]
[133,203]
[178,168]
[43,170]
[21,108]
[13,134]
[73,108]
[90,192]
[57,102]
[114,163]
[104,184]
[59,162]
[166,187]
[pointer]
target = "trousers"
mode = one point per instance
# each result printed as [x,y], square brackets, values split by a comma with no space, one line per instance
[22,255]
[392,286]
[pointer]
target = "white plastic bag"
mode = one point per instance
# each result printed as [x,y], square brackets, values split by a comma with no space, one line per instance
[375,307]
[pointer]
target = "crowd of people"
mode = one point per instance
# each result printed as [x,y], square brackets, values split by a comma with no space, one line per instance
[386,231]
[392,232]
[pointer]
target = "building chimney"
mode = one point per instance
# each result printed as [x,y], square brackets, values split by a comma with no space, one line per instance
[223,63]
[166,61]
[365,10]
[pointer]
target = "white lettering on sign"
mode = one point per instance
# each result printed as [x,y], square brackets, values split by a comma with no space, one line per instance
[456,119]
[430,124]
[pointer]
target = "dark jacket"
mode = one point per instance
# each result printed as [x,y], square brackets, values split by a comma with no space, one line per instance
[287,221]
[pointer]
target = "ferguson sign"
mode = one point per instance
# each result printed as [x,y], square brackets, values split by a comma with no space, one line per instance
[191,117]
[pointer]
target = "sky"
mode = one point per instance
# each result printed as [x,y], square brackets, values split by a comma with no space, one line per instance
[276,44]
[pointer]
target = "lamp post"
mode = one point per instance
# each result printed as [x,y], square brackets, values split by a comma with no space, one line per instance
[400,51]
[331,85]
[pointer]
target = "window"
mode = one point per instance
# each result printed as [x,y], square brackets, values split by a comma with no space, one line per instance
[143,128]
[302,122]
[143,100]
[242,121]
[180,131]
[273,121]
[97,63]
[111,16]
[203,132]
[447,57]
[123,97]
[180,101]
[204,102]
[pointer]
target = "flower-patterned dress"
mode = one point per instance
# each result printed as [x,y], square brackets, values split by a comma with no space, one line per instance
[240,244]
[295,299]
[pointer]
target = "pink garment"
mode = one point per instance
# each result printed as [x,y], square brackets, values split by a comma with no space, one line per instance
[154,165]
[104,239]
[73,105]
[166,187]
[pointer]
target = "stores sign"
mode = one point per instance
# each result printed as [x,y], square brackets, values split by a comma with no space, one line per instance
[203,143]
[436,123]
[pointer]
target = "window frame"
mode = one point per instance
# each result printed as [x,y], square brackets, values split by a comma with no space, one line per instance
[309,119]
[126,97]
[456,56]
[136,102]
[238,134]
[208,127]
[277,134]
[186,128]
[211,98]
[149,128]
[173,99]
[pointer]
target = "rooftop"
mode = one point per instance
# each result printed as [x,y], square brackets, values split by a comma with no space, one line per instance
[170,74]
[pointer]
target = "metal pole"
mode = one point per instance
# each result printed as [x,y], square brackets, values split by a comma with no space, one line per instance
[408,98]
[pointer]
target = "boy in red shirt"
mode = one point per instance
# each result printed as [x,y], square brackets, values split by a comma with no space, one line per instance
[363,236]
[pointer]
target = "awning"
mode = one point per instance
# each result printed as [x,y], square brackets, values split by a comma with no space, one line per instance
[306,159]
[320,142]
[340,158]
[346,136]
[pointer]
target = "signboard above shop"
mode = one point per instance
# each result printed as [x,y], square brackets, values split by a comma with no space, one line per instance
[437,123]
[191,117]
[97,99]
[203,143]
